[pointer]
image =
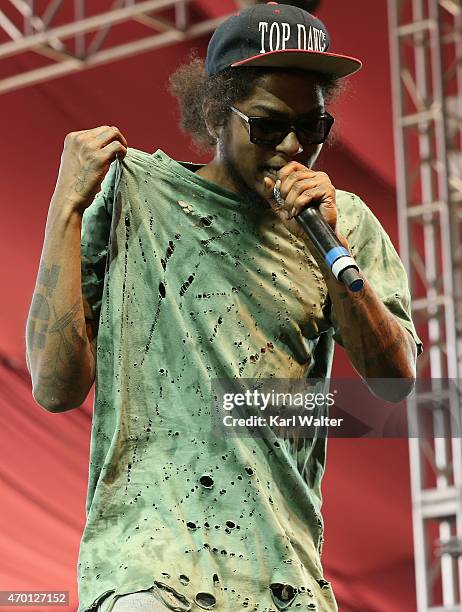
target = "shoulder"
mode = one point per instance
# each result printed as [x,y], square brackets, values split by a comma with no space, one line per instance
[349,201]
[353,212]
[358,223]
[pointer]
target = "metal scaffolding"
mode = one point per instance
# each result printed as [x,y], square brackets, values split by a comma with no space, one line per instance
[81,41]
[426,55]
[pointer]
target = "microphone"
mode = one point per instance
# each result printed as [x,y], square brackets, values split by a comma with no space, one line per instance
[340,262]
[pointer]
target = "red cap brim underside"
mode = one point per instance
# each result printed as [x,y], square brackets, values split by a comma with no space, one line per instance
[340,65]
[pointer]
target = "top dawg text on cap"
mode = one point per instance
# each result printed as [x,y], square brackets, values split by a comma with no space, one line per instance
[275,37]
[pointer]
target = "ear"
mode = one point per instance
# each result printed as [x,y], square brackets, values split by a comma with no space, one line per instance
[213,130]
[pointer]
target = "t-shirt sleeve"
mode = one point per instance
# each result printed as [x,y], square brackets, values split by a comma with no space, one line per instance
[96,228]
[378,260]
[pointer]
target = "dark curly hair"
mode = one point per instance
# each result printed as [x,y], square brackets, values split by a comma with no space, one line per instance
[190,85]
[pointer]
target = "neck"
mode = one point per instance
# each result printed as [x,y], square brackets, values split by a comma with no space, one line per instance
[216,172]
[222,172]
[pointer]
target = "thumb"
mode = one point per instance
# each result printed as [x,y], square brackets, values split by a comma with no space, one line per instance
[268,184]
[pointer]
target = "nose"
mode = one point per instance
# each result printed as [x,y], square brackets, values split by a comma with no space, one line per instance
[290,145]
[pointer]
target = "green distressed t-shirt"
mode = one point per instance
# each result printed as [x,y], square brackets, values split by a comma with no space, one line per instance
[189,284]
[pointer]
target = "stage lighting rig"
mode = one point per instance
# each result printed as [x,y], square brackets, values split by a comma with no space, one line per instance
[308,5]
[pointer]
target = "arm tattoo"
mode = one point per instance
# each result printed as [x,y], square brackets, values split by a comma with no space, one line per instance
[61,370]
[64,334]
[48,277]
[40,310]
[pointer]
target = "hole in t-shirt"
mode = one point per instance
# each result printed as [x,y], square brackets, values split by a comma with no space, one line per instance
[206,481]
[282,594]
[205,600]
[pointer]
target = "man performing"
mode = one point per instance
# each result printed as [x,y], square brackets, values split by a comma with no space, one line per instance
[175,274]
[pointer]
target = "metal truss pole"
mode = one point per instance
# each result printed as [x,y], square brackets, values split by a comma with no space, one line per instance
[79,41]
[426,58]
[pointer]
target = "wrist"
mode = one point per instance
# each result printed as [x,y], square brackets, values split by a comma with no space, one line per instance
[343,241]
[64,212]
[64,204]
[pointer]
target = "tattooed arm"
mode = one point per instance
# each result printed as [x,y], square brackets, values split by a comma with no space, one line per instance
[378,346]
[60,332]
[61,355]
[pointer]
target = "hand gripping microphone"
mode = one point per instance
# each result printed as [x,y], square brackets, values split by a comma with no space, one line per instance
[337,257]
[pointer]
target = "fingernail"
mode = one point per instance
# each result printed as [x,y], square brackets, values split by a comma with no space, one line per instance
[293,212]
[278,183]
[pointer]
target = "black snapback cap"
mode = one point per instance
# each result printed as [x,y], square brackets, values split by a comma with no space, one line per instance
[275,35]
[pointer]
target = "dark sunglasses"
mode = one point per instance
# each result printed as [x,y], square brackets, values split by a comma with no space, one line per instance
[271,132]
